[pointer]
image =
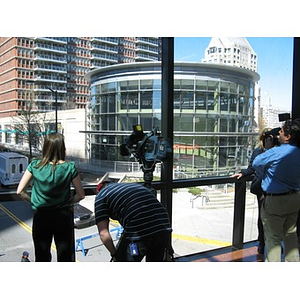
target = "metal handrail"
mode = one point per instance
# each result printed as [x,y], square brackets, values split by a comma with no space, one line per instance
[239,198]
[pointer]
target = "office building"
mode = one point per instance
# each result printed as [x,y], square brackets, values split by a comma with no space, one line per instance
[232,51]
[270,115]
[213,112]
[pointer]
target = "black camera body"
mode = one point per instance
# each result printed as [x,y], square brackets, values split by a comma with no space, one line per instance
[148,148]
[273,133]
[284,117]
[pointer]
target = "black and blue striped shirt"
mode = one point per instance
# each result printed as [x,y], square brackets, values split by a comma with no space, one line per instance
[134,206]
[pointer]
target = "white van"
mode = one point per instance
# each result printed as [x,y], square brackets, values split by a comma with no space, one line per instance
[12,167]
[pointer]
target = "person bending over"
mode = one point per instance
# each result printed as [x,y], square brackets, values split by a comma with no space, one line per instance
[145,222]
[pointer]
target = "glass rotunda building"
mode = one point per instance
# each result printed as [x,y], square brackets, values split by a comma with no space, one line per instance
[213,113]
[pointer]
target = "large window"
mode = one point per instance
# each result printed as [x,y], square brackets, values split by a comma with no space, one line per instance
[234,109]
[213,100]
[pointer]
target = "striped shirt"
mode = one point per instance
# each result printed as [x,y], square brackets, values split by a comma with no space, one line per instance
[134,206]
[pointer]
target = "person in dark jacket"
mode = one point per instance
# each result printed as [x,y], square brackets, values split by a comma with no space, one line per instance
[25,256]
[267,139]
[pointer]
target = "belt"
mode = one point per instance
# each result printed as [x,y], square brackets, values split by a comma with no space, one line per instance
[282,194]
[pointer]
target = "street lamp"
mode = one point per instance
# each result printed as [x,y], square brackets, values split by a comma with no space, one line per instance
[55,93]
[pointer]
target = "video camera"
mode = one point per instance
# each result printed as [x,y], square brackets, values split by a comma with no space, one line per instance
[273,133]
[147,148]
[284,117]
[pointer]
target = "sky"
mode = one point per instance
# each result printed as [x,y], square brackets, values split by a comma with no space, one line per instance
[274,60]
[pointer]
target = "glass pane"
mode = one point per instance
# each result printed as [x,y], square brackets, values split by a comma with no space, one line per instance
[146,84]
[223,104]
[146,100]
[187,84]
[132,85]
[198,224]
[217,101]
[200,101]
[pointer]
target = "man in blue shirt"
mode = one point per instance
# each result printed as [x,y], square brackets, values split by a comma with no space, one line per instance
[279,169]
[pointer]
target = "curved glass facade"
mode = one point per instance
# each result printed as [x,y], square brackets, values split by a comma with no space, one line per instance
[213,112]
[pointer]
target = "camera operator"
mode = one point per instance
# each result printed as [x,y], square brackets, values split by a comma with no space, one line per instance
[279,169]
[267,139]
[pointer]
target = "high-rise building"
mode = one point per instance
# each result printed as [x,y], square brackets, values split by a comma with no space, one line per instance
[36,71]
[234,51]
[270,115]
[49,72]
[16,70]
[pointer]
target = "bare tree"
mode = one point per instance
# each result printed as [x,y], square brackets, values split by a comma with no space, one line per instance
[31,126]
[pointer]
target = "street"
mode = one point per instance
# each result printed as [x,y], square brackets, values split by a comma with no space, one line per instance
[194,230]
[15,228]
[15,235]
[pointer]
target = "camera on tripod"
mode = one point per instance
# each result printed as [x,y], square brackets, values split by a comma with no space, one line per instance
[148,148]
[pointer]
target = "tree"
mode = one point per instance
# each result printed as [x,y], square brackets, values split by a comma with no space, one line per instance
[31,126]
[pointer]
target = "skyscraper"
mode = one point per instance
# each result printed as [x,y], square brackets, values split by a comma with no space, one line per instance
[234,51]
[34,70]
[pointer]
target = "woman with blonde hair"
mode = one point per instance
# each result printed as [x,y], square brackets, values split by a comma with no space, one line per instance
[51,199]
[268,138]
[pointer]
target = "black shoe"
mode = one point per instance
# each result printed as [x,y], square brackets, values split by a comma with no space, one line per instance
[261,249]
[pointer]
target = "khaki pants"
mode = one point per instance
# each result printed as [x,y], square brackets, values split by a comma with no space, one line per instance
[279,218]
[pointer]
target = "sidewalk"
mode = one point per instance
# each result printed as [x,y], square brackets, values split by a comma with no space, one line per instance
[194,229]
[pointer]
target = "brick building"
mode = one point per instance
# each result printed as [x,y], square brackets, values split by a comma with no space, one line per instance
[35,70]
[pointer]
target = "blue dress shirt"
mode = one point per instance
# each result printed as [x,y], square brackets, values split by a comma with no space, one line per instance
[279,169]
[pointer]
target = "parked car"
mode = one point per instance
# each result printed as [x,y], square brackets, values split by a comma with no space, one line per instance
[83,217]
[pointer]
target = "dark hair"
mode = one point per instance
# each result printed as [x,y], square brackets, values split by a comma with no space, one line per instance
[292,127]
[287,127]
[54,150]
[273,134]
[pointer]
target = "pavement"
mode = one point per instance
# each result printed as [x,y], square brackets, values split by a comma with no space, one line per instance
[195,228]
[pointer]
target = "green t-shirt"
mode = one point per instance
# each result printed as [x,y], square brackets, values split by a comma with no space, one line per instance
[51,188]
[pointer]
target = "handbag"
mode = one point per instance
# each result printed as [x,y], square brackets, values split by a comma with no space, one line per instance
[255,187]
